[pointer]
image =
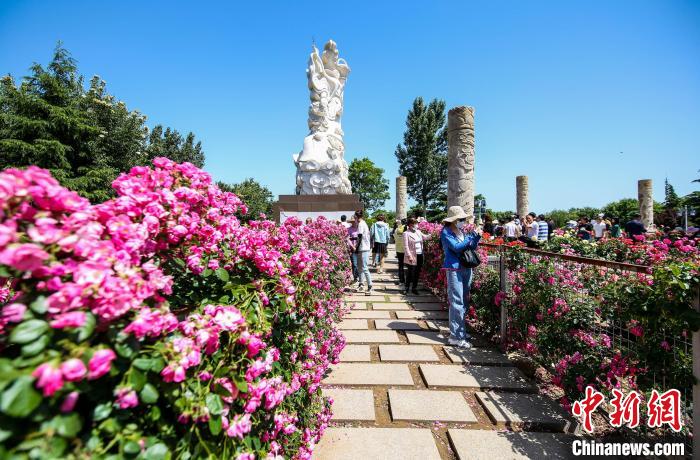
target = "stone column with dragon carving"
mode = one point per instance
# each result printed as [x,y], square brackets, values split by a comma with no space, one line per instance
[522,200]
[460,160]
[401,198]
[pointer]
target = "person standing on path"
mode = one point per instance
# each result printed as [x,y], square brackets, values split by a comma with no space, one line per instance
[398,240]
[362,252]
[455,239]
[413,254]
[379,233]
[353,239]
[511,230]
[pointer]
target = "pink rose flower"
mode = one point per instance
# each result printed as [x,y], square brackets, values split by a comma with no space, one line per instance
[100,363]
[14,312]
[73,370]
[23,257]
[126,398]
[71,319]
[49,378]
[69,402]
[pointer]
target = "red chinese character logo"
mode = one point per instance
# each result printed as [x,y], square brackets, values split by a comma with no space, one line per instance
[626,409]
[665,409]
[584,408]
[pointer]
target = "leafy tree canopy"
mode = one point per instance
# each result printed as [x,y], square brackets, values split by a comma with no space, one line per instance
[368,183]
[423,155]
[257,197]
[84,135]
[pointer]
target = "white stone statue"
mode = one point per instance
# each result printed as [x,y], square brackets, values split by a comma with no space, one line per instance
[321,169]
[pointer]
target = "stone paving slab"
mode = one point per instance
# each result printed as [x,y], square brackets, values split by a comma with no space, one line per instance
[426,337]
[391,306]
[398,324]
[522,410]
[357,305]
[365,298]
[429,405]
[490,445]
[351,404]
[353,324]
[369,374]
[442,325]
[377,444]
[429,306]
[355,353]
[371,337]
[407,353]
[488,356]
[367,314]
[475,377]
[413,298]
[421,314]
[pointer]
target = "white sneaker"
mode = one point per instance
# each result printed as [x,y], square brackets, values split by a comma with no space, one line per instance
[359,288]
[370,291]
[459,343]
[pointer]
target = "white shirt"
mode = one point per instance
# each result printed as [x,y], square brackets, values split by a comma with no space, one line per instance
[363,229]
[532,230]
[599,228]
[511,229]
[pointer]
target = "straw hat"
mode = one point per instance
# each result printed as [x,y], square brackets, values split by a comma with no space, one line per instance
[455,213]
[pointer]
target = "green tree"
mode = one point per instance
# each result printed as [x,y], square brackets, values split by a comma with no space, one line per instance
[257,197]
[671,199]
[84,136]
[423,155]
[368,183]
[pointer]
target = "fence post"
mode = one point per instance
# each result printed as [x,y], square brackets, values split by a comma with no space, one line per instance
[696,385]
[502,287]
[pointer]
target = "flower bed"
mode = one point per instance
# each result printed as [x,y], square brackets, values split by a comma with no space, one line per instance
[589,325]
[155,325]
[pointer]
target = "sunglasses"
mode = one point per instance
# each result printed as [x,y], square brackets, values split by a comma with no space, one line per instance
[461,220]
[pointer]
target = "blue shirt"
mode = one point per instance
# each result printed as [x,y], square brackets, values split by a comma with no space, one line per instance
[380,232]
[452,247]
[542,230]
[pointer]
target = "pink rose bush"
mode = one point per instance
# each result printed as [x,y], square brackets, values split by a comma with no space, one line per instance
[586,324]
[156,325]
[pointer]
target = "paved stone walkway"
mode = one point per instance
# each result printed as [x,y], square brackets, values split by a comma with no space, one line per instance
[401,393]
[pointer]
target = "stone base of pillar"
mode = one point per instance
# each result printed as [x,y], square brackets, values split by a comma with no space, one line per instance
[303,206]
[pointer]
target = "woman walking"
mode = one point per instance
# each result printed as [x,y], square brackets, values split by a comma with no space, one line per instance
[413,254]
[362,253]
[455,239]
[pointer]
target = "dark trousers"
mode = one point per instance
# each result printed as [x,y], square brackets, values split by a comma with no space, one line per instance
[355,274]
[402,277]
[413,272]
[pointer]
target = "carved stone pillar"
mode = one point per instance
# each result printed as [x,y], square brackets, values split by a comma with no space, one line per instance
[460,159]
[522,201]
[401,198]
[646,202]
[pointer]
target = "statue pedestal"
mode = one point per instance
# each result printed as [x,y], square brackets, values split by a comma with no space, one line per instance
[303,206]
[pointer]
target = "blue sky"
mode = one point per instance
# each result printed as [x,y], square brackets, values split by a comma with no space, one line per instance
[560,88]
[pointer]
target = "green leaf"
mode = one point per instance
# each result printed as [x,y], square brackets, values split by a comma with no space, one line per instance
[132,448]
[124,350]
[86,330]
[215,425]
[68,426]
[149,394]
[157,452]
[20,399]
[242,385]
[102,411]
[214,404]
[28,331]
[35,347]
[144,364]
[207,272]
[137,379]
[39,305]
[222,274]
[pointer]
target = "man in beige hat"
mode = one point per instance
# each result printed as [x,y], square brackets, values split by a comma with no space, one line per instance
[456,237]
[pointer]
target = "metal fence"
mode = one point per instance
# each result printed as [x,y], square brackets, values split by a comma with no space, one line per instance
[499,259]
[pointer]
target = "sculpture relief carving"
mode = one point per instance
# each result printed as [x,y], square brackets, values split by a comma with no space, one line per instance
[321,167]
